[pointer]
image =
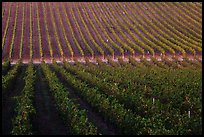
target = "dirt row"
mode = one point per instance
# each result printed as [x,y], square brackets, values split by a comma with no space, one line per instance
[47,120]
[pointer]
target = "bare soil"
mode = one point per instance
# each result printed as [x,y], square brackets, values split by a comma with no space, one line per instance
[47,120]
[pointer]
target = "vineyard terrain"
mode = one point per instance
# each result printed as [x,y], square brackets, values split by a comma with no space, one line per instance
[97,68]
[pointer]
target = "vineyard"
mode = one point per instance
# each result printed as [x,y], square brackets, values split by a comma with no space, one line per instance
[64,31]
[96,68]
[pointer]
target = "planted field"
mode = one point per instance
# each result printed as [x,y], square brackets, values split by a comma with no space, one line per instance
[114,68]
[62,31]
[115,98]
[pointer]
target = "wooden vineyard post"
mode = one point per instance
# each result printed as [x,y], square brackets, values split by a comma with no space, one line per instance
[153,100]
[92,56]
[63,59]
[123,56]
[41,59]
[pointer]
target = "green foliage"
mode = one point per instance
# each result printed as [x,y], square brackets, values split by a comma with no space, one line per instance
[10,77]
[24,106]
[175,92]
[75,118]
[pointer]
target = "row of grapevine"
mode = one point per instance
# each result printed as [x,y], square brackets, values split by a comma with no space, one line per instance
[122,79]
[39,32]
[111,73]
[11,43]
[145,103]
[5,67]
[131,50]
[125,121]
[153,32]
[72,31]
[172,23]
[22,33]
[187,20]
[47,31]
[191,14]
[159,43]
[108,31]
[194,8]
[24,105]
[152,99]
[55,32]
[17,39]
[145,30]
[75,118]
[81,34]
[55,42]
[138,41]
[6,13]
[99,49]
[166,30]
[192,20]
[107,88]
[2,12]
[8,79]
[156,47]
[121,51]
[135,46]
[166,40]
[35,34]
[26,52]
[31,33]
[112,30]
[64,33]
[154,23]
[6,28]
[111,51]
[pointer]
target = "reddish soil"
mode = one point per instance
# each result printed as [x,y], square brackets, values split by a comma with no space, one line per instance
[66,50]
[47,120]
[45,47]
[94,35]
[35,39]
[55,48]
[68,30]
[4,19]
[104,12]
[76,32]
[9,33]
[17,40]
